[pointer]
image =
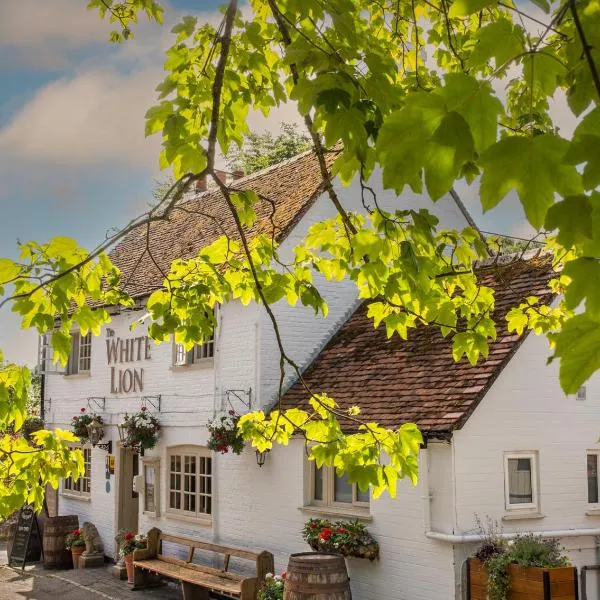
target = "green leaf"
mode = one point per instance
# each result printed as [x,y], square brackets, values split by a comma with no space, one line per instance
[476,102]
[450,147]
[572,217]
[577,346]
[585,148]
[585,284]
[462,8]
[544,70]
[500,40]
[533,167]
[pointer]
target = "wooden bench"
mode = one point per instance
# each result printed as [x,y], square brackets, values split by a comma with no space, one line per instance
[197,581]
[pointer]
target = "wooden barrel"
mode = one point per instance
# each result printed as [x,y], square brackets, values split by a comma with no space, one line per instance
[56,529]
[317,576]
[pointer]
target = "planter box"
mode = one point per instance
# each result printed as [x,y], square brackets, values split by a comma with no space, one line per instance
[526,583]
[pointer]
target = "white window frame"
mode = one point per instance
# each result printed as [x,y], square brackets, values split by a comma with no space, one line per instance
[81,350]
[328,500]
[151,463]
[199,354]
[596,453]
[199,452]
[75,489]
[534,506]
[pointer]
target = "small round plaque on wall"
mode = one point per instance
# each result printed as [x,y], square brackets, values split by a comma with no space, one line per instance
[108,487]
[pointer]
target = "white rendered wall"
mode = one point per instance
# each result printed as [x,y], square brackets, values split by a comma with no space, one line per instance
[525,409]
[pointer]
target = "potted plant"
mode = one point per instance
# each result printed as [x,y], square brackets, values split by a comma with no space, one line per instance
[528,566]
[139,429]
[128,542]
[224,434]
[272,587]
[75,542]
[348,538]
[79,424]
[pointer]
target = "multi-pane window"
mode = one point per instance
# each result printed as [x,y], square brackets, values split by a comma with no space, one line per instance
[197,354]
[190,481]
[329,489]
[592,477]
[81,486]
[520,473]
[80,360]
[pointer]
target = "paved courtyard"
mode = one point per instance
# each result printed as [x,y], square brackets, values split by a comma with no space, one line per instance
[36,583]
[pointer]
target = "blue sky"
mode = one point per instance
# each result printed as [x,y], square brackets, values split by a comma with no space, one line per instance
[73,157]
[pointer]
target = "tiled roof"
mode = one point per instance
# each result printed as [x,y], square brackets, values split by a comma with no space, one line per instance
[288,191]
[396,381]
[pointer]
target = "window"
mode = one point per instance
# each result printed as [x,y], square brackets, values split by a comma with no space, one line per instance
[81,486]
[521,488]
[80,360]
[329,489]
[592,477]
[151,472]
[189,482]
[199,353]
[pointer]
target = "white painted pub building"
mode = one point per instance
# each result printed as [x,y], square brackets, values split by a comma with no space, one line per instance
[502,439]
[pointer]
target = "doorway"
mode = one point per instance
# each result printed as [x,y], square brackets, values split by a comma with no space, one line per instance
[127,501]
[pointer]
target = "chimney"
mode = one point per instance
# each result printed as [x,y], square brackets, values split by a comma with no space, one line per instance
[201,184]
[237,175]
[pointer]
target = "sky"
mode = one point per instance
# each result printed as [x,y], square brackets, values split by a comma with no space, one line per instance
[73,157]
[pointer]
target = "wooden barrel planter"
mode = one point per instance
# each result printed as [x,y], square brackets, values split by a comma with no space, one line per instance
[317,576]
[526,583]
[56,529]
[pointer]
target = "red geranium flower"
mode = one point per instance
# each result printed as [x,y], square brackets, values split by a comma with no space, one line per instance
[284,575]
[341,530]
[128,536]
[77,532]
[325,534]
[82,410]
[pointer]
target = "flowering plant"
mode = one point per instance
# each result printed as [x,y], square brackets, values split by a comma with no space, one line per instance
[349,538]
[128,542]
[224,434]
[140,428]
[272,587]
[79,422]
[75,538]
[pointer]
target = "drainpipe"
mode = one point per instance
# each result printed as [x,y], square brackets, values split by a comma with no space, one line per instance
[470,538]
[426,497]
[217,375]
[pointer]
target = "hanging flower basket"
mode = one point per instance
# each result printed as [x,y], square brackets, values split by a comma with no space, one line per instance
[139,429]
[79,424]
[348,538]
[224,434]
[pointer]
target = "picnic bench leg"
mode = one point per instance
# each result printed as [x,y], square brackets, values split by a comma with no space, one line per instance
[140,578]
[193,592]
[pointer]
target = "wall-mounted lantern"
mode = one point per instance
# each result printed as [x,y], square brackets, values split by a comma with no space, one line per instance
[261,457]
[95,431]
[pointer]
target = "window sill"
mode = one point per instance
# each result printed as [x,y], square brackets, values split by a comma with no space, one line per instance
[592,512]
[350,513]
[85,375]
[202,521]
[524,516]
[207,363]
[76,497]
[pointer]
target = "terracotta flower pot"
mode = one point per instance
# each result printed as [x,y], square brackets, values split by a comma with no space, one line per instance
[76,552]
[128,560]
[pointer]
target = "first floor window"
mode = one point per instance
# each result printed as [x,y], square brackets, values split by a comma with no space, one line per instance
[330,489]
[592,477]
[81,486]
[80,360]
[189,477]
[520,473]
[199,353]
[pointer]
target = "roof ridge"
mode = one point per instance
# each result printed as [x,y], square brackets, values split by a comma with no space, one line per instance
[511,257]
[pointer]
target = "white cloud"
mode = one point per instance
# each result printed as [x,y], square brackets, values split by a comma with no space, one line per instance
[96,116]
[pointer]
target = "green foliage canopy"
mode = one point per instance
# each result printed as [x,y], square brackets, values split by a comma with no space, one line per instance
[431,92]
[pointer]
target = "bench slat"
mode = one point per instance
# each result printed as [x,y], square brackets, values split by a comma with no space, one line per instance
[201,568]
[247,554]
[185,573]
